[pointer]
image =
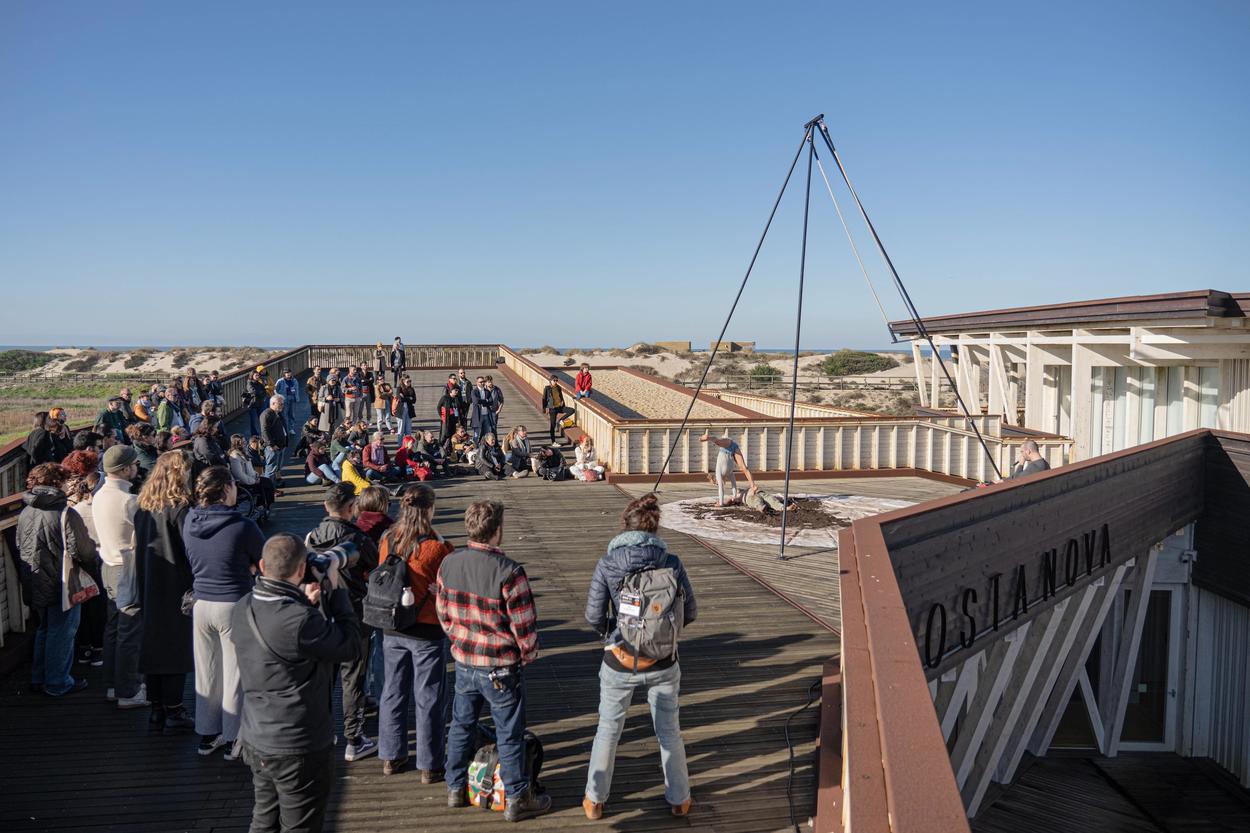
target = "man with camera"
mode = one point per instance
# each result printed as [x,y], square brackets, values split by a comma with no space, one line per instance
[336,528]
[289,636]
[487,610]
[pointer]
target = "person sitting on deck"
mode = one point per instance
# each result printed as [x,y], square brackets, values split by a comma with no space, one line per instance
[550,465]
[583,383]
[1029,461]
[729,456]
[586,460]
[460,449]
[288,650]
[377,461]
[430,451]
[406,458]
[245,470]
[310,435]
[490,462]
[553,405]
[337,527]
[207,408]
[638,551]
[486,609]
[517,444]
[352,473]
[318,465]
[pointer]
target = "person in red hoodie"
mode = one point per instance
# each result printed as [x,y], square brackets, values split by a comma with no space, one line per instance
[409,462]
[415,657]
[583,383]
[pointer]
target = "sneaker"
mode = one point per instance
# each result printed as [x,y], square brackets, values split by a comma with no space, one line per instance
[140,700]
[210,744]
[234,750]
[84,656]
[432,776]
[177,723]
[111,695]
[526,806]
[682,809]
[594,809]
[393,767]
[458,798]
[361,747]
[97,657]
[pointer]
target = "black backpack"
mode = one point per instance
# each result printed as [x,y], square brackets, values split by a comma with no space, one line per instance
[383,605]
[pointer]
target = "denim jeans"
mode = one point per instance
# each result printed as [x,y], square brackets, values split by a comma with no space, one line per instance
[253,420]
[337,463]
[288,417]
[375,674]
[323,472]
[275,459]
[616,689]
[507,711]
[54,648]
[405,421]
[123,631]
[383,417]
[416,672]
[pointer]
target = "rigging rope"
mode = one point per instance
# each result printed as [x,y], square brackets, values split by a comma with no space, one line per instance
[850,239]
[807,135]
[921,329]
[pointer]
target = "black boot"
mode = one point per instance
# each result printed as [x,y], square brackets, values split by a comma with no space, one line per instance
[156,720]
[526,806]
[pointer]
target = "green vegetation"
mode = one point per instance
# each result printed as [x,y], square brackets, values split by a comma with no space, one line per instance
[855,363]
[765,373]
[12,361]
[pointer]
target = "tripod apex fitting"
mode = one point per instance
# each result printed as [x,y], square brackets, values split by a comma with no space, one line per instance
[818,120]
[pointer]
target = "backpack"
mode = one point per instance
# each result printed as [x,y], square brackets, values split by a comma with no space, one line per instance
[649,614]
[383,604]
[485,784]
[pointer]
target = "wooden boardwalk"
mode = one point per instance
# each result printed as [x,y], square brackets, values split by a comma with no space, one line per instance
[793,577]
[748,664]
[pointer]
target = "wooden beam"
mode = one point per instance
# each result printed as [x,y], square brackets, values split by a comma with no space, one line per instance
[1000,661]
[1012,706]
[918,361]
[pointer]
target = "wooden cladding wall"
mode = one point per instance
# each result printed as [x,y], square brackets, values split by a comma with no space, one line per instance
[1223,531]
[949,556]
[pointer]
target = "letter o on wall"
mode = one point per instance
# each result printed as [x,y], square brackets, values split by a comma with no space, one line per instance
[930,659]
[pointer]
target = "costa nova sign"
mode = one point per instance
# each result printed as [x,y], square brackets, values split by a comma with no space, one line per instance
[1076,563]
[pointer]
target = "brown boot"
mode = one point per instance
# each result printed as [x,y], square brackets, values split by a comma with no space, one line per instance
[392,767]
[594,810]
[683,808]
[431,776]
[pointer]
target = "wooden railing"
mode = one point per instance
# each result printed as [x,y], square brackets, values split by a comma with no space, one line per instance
[416,356]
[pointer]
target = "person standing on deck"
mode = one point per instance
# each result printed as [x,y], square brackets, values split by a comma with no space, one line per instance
[382,403]
[463,383]
[214,389]
[553,405]
[351,395]
[729,455]
[274,435]
[335,528]
[638,551]
[398,366]
[331,411]
[255,397]
[313,387]
[288,649]
[486,609]
[112,419]
[494,406]
[114,511]
[449,411]
[368,390]
[288,388]
[405,405]
[478,406]
[46,530]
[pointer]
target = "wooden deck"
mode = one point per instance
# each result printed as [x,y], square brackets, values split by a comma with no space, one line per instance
[748,663]
[1132,793]
[793,578]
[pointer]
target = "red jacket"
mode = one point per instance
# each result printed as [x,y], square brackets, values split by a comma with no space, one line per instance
[582,382]
[372,450]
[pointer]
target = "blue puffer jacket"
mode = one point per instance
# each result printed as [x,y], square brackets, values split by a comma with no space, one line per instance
[629,552]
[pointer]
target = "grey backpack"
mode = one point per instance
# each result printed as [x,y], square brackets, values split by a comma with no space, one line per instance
[650,613]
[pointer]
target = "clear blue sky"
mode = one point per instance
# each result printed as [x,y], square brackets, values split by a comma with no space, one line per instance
[586,173]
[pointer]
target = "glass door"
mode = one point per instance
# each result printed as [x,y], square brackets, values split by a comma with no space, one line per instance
[1150,716]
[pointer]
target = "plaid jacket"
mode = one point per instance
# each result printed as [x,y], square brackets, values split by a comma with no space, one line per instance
[486,608]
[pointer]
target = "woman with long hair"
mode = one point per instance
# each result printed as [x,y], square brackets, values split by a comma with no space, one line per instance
[312,387]
[223,548]
[636,549]
[415,656]
[586,459]
[164,578]
[80,490]
[405,404]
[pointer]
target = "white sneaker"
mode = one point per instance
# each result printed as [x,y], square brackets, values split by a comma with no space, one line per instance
[362,747]
[139,701]
[210,745]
